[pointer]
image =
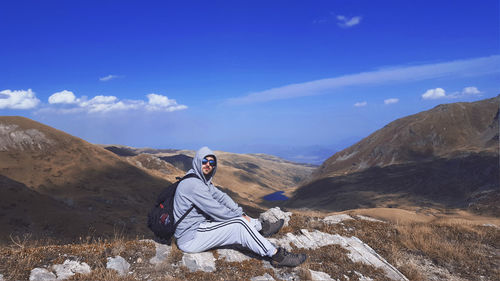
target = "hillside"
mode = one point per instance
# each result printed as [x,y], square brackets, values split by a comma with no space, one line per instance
[248,176]
[57,185]
[445,157]
[446,131]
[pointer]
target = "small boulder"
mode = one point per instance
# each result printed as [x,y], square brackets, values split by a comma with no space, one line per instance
[119,264]
[42,274]
[70,268]
[200,261]
[275,214]
[162,252]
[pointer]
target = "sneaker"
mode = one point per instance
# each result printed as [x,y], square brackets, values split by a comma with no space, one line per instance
[270,228]
[285,258]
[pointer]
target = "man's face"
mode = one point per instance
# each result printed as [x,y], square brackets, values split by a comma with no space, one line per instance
[207,168]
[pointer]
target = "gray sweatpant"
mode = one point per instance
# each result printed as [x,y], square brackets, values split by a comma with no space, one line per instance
[234,231]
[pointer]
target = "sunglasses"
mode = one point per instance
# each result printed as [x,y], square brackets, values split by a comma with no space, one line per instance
[205,161]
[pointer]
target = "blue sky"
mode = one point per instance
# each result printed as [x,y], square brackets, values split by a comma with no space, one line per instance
[242,76]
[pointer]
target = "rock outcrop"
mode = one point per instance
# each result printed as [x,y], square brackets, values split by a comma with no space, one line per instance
[59,271]
[119,264]
[208,262]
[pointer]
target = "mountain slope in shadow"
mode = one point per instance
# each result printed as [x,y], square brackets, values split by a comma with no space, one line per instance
[73,184]
[445,157]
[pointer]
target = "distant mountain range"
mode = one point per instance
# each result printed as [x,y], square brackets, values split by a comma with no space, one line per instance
[248,176]
[447,156]
[310,154]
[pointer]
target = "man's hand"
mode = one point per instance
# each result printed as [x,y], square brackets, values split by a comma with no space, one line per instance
[246,217]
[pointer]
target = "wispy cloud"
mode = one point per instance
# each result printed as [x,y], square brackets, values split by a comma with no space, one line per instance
[360,104]
[109,77]
[391,101]
[66,102]
[458,68]
[346,22]
[20,99]
[440,93]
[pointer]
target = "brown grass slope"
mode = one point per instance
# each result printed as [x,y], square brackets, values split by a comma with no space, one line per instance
[71,183]
[444,157]
[445,131]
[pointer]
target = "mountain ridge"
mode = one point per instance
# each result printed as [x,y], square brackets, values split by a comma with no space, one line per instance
[421,136]
[446,157]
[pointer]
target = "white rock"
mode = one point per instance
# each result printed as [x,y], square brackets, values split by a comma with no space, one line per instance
[162,252]
[275,214]
[13,137]
[42,274]
[1,277]
[334,219]
[358,251]
[200,261]
[265,277]
[367,218]
[232,255]
[119,264]
[70,268]
[362,277]
[318,275]
[491,225]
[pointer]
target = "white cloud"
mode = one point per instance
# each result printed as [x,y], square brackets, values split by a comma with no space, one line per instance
[458,68]
[471,91]
[104,104]
[343,21]
[20,99]
[433,94]
[107,78]
[64,96]
[158,103]
[360,104]
[440,93]
[391,101]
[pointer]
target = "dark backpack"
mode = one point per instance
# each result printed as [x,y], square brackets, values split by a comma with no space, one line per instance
[161,217]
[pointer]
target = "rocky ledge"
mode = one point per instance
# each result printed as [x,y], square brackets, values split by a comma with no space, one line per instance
[358,252]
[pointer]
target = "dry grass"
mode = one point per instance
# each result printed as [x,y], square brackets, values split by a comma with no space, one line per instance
[420,248]
[333,260]
[18,259]
[442,249]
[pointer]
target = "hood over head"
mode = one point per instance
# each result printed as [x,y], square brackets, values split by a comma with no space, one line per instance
[200,154]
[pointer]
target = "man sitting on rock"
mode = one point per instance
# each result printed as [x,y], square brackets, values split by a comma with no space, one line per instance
[218,221]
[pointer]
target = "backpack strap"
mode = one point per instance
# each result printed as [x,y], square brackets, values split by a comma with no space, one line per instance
[183,216]
[192,175]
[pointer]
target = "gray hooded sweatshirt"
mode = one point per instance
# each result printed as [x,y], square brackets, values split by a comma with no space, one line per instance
[211,203]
